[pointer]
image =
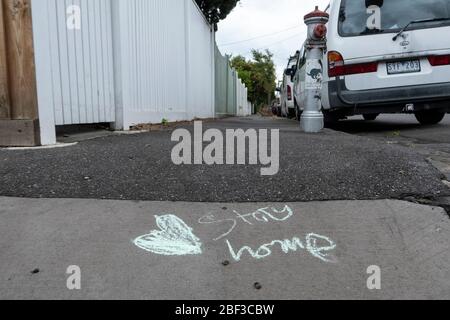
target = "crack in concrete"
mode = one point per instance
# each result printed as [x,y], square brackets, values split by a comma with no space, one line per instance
[441,202]
[439,160]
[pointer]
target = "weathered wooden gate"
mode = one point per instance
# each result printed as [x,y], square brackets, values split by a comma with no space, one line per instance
[18,96]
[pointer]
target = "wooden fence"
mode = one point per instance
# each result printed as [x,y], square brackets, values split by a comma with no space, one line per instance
[18,95]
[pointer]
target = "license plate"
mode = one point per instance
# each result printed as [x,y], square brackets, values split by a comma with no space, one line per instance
[398,67]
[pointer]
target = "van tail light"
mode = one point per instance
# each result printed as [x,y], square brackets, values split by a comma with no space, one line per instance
[439,60]
[337,66]
[289,92]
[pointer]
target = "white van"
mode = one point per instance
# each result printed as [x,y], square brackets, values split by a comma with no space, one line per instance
[287,89]
[402,65]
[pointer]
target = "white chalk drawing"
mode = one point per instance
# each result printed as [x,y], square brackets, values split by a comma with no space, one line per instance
[263,215]
[175,238]
[312,245]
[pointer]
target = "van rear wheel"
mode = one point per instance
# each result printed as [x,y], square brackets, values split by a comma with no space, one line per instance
[430,117]
[283,112]
[330,118]
[298,113]
[279,112]
[291,114]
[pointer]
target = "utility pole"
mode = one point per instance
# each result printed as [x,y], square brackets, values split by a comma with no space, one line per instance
[312,120]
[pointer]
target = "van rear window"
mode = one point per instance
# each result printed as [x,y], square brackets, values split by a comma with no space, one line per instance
[355,18]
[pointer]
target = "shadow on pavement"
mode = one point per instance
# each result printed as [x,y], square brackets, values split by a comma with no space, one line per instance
[354,126]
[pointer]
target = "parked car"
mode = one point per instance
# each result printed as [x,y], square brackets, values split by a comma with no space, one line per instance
[287,89]
[276,107]
[297,76]
[403,66]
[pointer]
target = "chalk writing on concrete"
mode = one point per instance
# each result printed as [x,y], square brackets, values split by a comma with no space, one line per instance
[174,238]
[263,215]
[318,246]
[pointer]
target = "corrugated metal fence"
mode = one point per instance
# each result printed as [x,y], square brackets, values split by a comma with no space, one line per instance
[231,94]
[165,61]
[130,62]
[79,62]
[243,106]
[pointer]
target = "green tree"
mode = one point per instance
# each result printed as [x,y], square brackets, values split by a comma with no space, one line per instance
[258,74]
[216,10]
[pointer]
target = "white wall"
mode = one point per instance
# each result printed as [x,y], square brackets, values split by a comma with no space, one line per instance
[243,105]
[201,44]
[74,67]
[164,56]
[132,62]
[80,61]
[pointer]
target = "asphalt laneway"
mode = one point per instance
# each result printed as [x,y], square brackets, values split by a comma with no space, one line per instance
[433,142]
[398,126]
[326,166]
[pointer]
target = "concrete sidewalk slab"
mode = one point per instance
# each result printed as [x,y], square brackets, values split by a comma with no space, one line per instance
[409,242]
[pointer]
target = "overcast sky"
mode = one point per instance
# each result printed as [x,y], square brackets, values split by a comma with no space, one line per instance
[281,20]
